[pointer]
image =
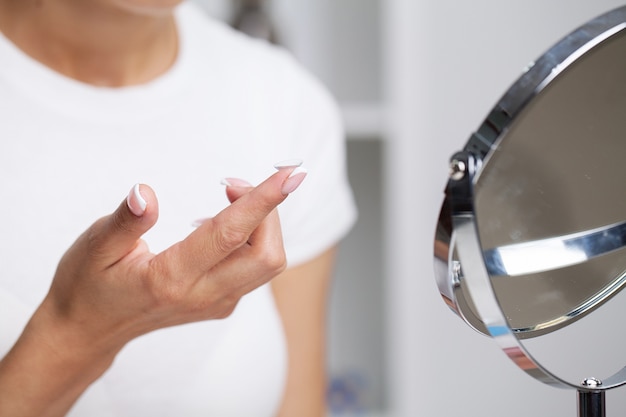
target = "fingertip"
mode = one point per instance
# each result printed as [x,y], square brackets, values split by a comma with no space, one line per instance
[115,235]
[271,192]
[235,188]
[296,174]
[282,183]
[235,182]
[294,180]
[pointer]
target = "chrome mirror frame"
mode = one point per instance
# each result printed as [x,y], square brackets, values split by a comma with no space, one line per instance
[459,255]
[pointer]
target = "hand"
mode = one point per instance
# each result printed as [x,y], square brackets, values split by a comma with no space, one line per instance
[109,289]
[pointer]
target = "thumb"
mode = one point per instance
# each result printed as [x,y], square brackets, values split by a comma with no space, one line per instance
[116,235]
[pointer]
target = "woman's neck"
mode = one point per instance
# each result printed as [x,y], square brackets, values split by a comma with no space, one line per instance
[94,41]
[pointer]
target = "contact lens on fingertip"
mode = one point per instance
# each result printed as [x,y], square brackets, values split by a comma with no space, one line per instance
[288,163]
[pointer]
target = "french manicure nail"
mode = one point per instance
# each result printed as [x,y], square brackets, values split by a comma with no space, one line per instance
[288,163]
[294,180]
[136,202]
[235,182]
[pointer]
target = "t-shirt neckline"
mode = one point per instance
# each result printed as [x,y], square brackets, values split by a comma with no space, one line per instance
[93,103]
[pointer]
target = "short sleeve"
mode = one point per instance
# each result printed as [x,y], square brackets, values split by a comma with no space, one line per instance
[322,211]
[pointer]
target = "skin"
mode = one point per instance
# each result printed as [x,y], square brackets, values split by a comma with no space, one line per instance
[301,293]
[108,288]
[110,43]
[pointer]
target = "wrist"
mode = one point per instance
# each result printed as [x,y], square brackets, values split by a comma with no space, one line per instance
[48,368]
[76,346]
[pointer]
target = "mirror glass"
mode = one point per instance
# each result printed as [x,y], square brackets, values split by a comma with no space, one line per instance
[560,171]
[548,208]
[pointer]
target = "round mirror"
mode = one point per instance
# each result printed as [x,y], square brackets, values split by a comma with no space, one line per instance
[531,242]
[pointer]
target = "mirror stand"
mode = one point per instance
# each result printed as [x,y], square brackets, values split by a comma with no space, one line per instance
[591,403]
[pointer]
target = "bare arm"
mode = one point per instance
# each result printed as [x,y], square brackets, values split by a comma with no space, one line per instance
[301,297]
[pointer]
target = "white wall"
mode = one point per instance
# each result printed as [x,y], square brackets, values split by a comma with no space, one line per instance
[447,63]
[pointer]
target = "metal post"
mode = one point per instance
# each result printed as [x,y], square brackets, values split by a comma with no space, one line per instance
[591,403]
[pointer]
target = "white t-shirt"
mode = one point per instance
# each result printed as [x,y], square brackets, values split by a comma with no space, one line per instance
[69,153]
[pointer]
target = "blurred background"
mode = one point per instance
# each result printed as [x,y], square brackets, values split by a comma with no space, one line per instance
[413,78]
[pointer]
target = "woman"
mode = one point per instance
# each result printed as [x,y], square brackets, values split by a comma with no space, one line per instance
[98,94]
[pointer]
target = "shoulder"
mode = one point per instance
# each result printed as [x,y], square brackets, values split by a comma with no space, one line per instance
[220,41]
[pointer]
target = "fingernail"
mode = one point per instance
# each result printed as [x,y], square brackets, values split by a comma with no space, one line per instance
[136,202]
[294,180]
[288,163]
[235,182]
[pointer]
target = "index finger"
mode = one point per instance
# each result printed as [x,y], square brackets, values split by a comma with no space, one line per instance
[219,236]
